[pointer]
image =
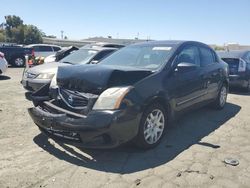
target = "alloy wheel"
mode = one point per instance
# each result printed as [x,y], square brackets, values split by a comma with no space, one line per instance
[154,126]
[19,62]
[223,96]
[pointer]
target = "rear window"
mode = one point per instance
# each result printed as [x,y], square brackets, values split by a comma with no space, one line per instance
[233,64]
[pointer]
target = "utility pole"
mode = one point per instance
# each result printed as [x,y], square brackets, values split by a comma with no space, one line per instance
[62,34]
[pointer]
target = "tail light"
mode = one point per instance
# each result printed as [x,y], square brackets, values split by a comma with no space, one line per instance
[1,55]
[33,52]
[242,66]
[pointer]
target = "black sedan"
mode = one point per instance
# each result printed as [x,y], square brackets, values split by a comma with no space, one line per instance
[131,95]
[239,68]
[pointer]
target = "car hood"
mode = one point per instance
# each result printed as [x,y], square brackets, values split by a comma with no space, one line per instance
[96,78]
[47,68]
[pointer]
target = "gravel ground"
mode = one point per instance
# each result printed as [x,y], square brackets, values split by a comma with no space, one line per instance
[190,155]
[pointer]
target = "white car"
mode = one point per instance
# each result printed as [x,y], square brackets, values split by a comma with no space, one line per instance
[3,63]
[44,50]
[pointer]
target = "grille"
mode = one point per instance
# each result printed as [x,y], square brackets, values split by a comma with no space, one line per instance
[75,99]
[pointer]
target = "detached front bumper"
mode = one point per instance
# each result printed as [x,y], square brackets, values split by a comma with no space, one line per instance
[238,81]
[99,129]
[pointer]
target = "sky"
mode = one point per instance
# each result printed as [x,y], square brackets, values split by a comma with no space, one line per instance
[209,21]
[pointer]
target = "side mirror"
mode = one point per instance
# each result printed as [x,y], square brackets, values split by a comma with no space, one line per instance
[185,67]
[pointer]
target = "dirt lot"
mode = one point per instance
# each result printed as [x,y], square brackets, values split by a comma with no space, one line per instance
[191,153]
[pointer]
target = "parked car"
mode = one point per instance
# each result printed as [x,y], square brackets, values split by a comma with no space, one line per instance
[130,95]
[38,76]
[15,55]
[44,50]
[3,63]
[60,54]
[239,67]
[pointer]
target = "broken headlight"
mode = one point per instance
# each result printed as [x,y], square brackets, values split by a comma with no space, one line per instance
[111,98]
[53,82]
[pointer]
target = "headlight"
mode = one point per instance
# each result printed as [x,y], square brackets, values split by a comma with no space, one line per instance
[45,76]
[111,98]
[53,82]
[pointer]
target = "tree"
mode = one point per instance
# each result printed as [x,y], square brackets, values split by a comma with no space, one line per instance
[32,35]
[17,32]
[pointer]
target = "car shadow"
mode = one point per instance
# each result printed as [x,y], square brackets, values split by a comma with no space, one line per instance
[187,131]
[3,77]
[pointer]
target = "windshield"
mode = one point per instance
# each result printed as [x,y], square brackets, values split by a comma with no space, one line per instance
[81,56]
[145,57]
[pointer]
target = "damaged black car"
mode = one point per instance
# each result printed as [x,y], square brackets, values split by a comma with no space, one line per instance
[130,96]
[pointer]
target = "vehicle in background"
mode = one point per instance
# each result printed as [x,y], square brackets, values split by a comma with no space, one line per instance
[44,50]
[60,54]
[3,63]
[38,76]
[130,95]
[15,55]
[239,67]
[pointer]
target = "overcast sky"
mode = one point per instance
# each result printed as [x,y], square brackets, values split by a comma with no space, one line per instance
[209,21]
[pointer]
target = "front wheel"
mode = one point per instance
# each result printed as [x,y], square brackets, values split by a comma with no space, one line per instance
[152,127]
[221,99]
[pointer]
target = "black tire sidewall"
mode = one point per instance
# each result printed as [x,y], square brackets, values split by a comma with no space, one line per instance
[140,139]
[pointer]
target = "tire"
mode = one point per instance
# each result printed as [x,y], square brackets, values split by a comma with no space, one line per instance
[19,61]
[221,99]
[150,134]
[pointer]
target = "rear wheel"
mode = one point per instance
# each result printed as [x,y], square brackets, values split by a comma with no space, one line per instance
[152,127]
[221,99]
[19,62]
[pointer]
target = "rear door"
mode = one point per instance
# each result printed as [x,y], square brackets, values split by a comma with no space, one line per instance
[188,86]
[211,72]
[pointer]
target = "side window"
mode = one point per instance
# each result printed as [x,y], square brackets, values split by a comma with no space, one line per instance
[207,57]
[189,55]
[102,54]
[56,49]
[36,48]
[45,49]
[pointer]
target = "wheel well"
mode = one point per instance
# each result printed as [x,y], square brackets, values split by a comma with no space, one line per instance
[159,101]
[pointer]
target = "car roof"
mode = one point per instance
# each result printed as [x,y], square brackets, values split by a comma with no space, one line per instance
[98,48]
[169,43]
[32,45]
[232,53]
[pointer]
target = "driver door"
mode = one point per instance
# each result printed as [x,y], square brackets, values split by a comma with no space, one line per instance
[188,85]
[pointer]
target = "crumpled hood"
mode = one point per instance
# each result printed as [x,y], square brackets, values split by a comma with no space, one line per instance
[46,68]
[96,78]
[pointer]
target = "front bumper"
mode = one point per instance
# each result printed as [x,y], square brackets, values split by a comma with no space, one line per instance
[238,81]
[34,84]
[99,129]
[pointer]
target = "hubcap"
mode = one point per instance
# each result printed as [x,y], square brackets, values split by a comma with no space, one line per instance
[19,62]
[154,126]
[223,96]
